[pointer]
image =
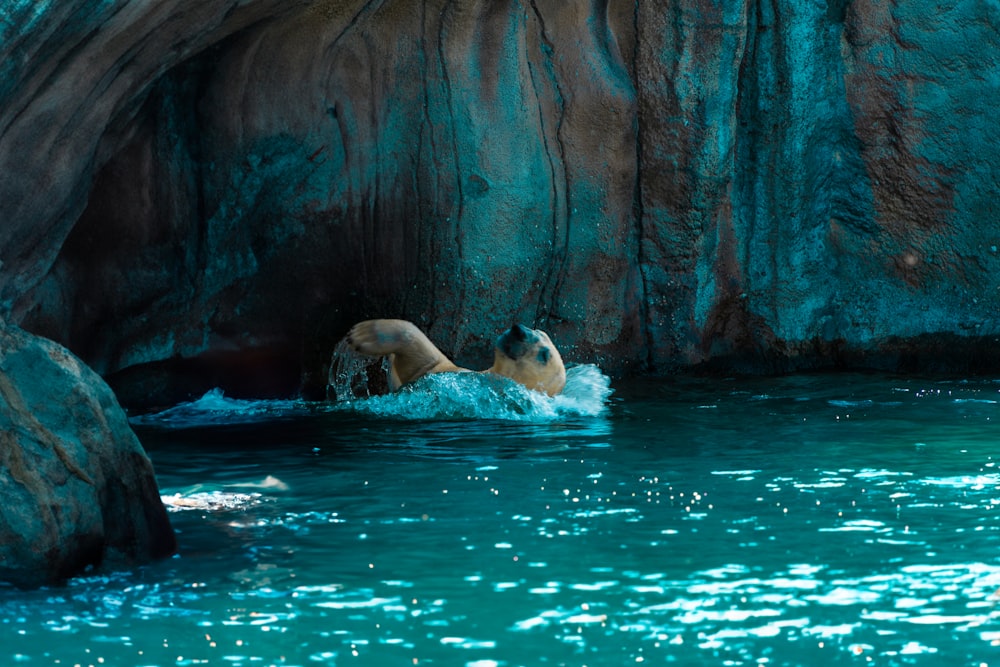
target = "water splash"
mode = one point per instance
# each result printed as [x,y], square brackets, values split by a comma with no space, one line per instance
[351,374]
[215,408]
[210,501]
[442,396]
[488,396]
[226,497]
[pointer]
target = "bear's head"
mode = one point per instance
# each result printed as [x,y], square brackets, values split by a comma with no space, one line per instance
[528,356]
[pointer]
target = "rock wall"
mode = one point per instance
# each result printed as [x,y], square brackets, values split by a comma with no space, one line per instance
[212,192]
[803,194]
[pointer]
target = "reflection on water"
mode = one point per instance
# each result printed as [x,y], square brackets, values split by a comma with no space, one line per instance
[796,521]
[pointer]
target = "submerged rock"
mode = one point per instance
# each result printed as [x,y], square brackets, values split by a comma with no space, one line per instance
[76,488]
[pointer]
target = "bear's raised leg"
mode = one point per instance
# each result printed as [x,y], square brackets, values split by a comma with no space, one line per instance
[411,354]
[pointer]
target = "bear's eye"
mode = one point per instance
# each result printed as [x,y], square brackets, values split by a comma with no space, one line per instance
[543,356]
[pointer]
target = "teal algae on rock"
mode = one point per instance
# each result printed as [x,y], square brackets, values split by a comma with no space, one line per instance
[738,185]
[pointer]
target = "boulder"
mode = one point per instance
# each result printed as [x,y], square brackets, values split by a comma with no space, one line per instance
[77,489]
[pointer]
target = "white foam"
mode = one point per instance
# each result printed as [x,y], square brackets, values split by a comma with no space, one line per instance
[438,396]
[487,396]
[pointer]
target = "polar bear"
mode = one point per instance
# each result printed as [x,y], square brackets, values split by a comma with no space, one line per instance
[524,355]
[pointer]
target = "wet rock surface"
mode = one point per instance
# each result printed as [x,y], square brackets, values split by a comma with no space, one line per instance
[210,193]
[78,490]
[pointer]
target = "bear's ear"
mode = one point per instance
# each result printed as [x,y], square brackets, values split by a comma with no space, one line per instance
[543,356]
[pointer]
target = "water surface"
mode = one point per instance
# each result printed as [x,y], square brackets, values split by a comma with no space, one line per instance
[809,520]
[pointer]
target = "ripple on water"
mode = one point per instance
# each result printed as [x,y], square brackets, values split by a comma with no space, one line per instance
[749,608]
[214,408]
[857,550]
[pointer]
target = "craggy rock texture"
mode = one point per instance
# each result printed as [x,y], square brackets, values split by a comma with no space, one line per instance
[211,192]
[800,172]
[76,486]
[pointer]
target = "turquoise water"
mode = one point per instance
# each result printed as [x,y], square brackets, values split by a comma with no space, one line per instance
[808,520]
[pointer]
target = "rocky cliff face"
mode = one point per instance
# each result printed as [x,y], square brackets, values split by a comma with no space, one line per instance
[802,193]
[211,192]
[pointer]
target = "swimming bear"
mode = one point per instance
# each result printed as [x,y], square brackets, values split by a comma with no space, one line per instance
[524,355]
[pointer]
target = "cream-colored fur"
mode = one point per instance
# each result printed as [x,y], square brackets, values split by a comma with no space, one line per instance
[524,355]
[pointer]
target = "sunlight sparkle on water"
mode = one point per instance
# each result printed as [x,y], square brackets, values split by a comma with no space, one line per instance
[768,530]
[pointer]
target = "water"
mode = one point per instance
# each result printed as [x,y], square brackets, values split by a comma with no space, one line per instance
[811,520]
